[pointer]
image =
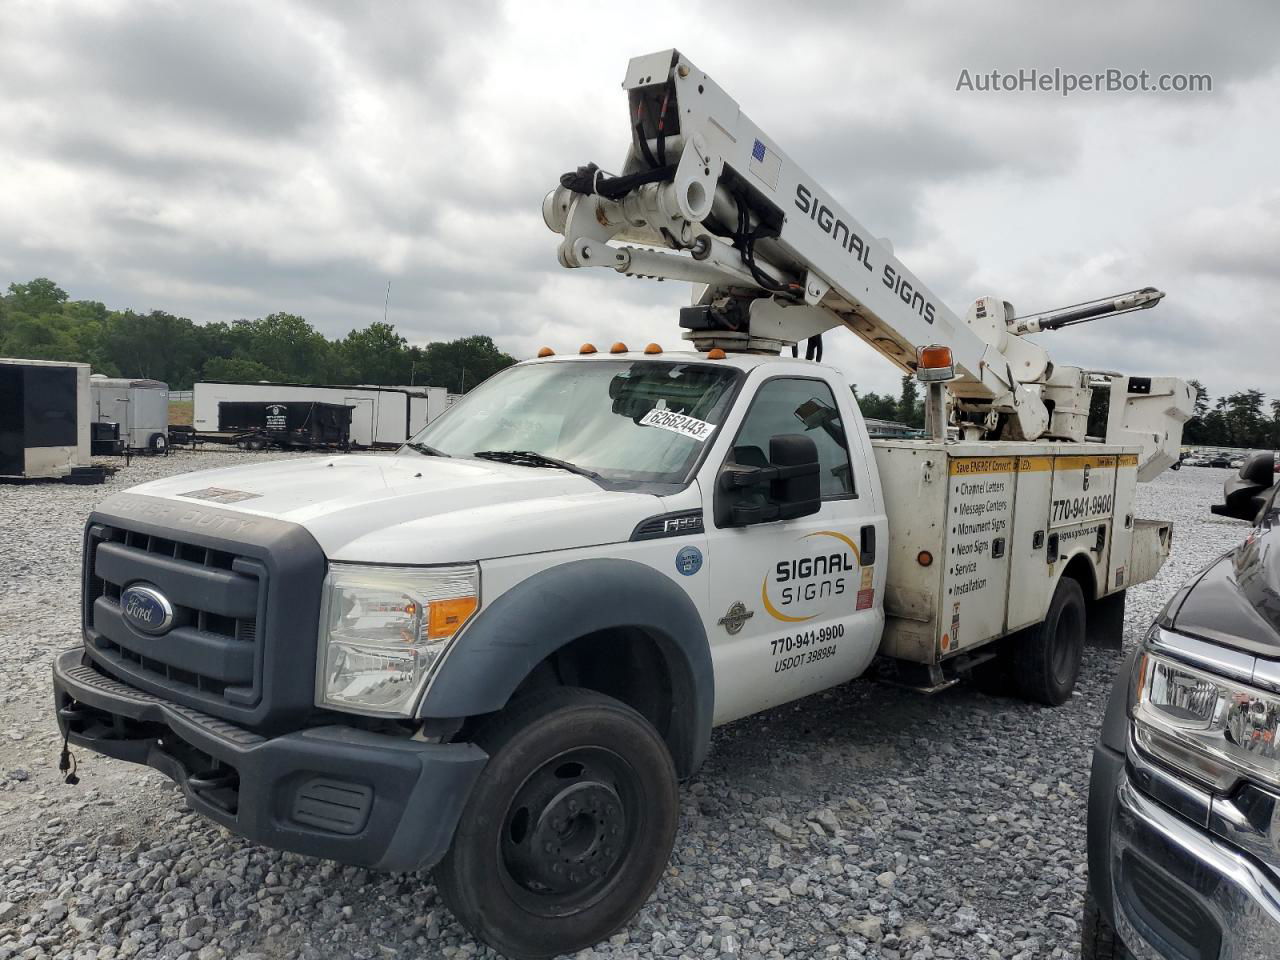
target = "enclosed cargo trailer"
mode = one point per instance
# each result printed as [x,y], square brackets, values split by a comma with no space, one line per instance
[139,406]
[380,416]
[44,420]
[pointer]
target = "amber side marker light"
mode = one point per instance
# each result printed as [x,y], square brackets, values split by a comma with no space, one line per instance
[924,558]
[446,617]
[715,353]
[618,347]
[546,352]
[587,348]
[652,349]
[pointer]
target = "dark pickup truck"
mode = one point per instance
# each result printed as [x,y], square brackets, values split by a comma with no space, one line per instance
[1184,803]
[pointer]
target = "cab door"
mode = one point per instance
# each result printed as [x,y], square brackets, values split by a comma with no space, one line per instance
[795,605]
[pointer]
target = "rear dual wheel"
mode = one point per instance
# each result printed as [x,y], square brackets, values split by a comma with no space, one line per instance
[1046,661]
[568,828]
[1042,662]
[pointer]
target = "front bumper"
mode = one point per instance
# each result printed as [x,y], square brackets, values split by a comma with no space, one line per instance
[350,795]
[1176,891]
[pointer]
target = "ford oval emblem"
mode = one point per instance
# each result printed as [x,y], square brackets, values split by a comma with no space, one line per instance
[146,608]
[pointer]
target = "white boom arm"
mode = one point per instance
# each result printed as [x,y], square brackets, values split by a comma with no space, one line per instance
[781,261]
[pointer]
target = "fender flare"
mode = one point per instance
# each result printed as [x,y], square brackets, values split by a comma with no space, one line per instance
[538,616]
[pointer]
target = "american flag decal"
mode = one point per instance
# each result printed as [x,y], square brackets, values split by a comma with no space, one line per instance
[765,164]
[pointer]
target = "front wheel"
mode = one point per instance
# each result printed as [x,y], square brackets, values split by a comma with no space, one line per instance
[158,444]
[568,828]
[1046,657]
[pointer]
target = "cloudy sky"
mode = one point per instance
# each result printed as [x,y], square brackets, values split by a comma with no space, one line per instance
[225,160]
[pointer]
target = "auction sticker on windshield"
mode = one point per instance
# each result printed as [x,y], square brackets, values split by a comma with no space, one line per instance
[686,426]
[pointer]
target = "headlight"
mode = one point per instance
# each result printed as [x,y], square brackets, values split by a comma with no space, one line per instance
[384,629]
[1213,729]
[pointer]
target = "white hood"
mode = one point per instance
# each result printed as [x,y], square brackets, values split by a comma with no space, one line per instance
[420,509]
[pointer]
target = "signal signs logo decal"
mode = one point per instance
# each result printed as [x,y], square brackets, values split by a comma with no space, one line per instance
[817,576]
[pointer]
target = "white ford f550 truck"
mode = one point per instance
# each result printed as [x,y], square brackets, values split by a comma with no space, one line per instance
[497,651]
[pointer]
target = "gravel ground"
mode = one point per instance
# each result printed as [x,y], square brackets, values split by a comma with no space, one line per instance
[864,821]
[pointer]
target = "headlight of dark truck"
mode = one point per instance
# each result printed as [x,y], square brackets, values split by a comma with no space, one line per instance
[383,631]
[1216,730]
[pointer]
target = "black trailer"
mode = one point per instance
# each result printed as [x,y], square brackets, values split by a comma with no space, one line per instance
[293,425]
[44,422]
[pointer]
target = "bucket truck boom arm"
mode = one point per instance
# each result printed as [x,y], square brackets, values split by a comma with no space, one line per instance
[705,196]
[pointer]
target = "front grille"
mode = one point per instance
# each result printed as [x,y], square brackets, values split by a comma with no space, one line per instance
[246,596]
[211,656]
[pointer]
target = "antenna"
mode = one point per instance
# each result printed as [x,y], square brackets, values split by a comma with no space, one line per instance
[386,302]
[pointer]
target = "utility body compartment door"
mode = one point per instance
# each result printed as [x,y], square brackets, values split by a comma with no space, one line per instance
[975,583]
[1121,568]
[1080,512]
[1031,578]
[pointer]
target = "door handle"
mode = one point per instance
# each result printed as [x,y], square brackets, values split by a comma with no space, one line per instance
[867,546]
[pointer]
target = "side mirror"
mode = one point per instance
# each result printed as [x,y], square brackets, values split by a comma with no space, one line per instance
[789,487]
[1244,494]
[1259,470]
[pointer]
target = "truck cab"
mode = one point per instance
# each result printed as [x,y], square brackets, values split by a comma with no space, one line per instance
[544,601]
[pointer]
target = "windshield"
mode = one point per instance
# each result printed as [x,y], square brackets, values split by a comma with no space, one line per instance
[639,421]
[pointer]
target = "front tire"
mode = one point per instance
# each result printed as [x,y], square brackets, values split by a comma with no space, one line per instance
[568,829]
[158,444]
[1046,657]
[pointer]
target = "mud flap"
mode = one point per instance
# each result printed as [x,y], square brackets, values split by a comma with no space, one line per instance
[1104,623]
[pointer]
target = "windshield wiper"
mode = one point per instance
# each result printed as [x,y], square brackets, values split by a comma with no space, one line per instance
[425,450]
[531,458]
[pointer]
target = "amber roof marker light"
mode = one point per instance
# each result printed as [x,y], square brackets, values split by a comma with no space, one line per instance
[546,352]
[934,363]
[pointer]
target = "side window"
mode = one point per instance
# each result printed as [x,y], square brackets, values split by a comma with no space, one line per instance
[795,405]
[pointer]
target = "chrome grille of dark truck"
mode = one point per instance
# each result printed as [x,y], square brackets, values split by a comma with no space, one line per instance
[212,651]
[245,592]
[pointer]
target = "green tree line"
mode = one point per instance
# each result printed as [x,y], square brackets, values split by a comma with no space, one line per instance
[1241,419]
[907,407]
[38,321]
